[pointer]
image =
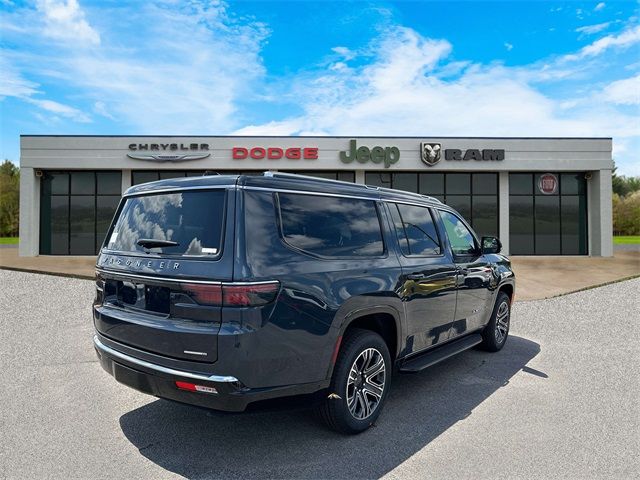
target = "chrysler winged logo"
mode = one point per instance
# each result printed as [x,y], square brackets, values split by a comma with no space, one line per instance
[430,153]
[178,157]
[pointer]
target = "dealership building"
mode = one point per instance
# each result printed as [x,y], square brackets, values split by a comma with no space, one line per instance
[541,196]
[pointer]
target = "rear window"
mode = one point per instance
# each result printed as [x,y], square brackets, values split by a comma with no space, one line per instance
[331,227]
[192,219]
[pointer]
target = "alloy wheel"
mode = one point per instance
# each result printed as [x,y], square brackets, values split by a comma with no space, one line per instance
[502,322]
[365,385]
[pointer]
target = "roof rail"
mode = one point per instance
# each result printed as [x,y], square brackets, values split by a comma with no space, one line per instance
[404,192]
[270,173]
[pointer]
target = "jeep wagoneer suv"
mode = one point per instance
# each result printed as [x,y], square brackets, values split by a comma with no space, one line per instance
[221,291]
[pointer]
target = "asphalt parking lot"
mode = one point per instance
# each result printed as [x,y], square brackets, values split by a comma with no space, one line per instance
[561,401]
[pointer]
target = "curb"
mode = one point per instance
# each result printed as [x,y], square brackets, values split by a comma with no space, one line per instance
[53,274]
[590,287]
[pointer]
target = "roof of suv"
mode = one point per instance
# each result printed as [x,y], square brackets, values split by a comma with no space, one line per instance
[281,181]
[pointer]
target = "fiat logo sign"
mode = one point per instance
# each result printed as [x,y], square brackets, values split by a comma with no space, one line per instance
[548,184]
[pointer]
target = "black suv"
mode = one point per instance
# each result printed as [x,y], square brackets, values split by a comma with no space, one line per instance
[221,291]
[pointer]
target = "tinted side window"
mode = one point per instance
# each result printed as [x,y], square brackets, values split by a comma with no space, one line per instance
[331,227]
[416,230]
[461,239]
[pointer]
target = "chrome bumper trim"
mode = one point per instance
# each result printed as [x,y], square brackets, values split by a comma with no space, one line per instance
[169,371]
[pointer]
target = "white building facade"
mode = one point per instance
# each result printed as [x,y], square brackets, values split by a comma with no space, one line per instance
[541,196]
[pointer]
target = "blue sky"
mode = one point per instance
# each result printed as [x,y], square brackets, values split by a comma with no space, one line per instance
[544,68]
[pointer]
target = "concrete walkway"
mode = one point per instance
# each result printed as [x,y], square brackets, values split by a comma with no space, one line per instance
[537,277]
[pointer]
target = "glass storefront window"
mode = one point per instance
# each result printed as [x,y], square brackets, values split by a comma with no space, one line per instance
[520,184]
[83,183]
[462,203]
[458,183]
[59,184]
[573,184]
[405,181]
[554,224]
[82,224]
[547,225]
[378,179]
[109,183]
[76,209]
[474,195]
[59,225]
[343,176]
[484,183]
[145,176]
[521,225]
[484,213]
[432,184]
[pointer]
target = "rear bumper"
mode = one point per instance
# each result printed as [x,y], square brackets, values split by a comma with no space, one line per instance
[231,395]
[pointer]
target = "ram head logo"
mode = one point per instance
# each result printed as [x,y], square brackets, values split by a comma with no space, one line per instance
[430,153]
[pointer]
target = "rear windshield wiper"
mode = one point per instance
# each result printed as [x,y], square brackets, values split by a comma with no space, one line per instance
[153,243]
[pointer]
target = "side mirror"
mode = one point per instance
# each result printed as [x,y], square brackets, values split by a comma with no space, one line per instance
[491,245]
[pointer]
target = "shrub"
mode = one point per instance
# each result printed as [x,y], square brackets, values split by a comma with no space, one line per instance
[626,214]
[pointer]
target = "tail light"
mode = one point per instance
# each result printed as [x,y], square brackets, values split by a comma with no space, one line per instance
[233,294]
[249,295]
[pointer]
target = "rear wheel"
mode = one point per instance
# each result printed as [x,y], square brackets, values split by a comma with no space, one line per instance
[359,384]
[495,334]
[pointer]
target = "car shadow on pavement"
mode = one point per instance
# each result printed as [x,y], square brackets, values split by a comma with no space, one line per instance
[197,443]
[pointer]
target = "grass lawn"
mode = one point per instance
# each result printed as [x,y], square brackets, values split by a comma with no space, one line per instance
[626,239]
[9,240]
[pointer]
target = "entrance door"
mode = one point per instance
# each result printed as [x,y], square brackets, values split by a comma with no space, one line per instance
[547,214]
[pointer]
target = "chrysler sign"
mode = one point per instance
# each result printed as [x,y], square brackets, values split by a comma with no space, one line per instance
[197,151]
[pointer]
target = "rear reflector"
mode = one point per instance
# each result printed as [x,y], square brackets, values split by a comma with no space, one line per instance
[233,295]
[192,387]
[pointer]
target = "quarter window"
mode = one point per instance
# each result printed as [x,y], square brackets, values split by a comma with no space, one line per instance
[461,239]
[331,227]
[415,229]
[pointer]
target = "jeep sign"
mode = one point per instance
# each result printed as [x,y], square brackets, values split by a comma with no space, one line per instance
[386,155]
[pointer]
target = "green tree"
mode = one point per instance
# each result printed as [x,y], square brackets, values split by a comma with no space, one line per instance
[623,185]
[9,199]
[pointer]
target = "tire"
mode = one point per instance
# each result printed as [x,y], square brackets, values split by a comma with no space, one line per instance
[352,404]
[495,334]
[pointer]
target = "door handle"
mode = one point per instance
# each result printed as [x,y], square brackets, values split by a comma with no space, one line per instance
[415,276]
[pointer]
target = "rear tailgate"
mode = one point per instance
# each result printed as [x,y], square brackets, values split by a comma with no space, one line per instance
[166,300]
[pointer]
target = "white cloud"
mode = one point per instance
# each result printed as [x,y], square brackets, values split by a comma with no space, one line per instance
[65,20]
[508,46]
[60,109]
[166,68]
[591,29]
[599,6]
[403,93]
[101,109]
[624,92]
[12,84]
[628,37]
[344,52]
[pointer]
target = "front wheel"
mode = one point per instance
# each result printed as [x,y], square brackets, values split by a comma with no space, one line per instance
[359,384]
[494,335]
